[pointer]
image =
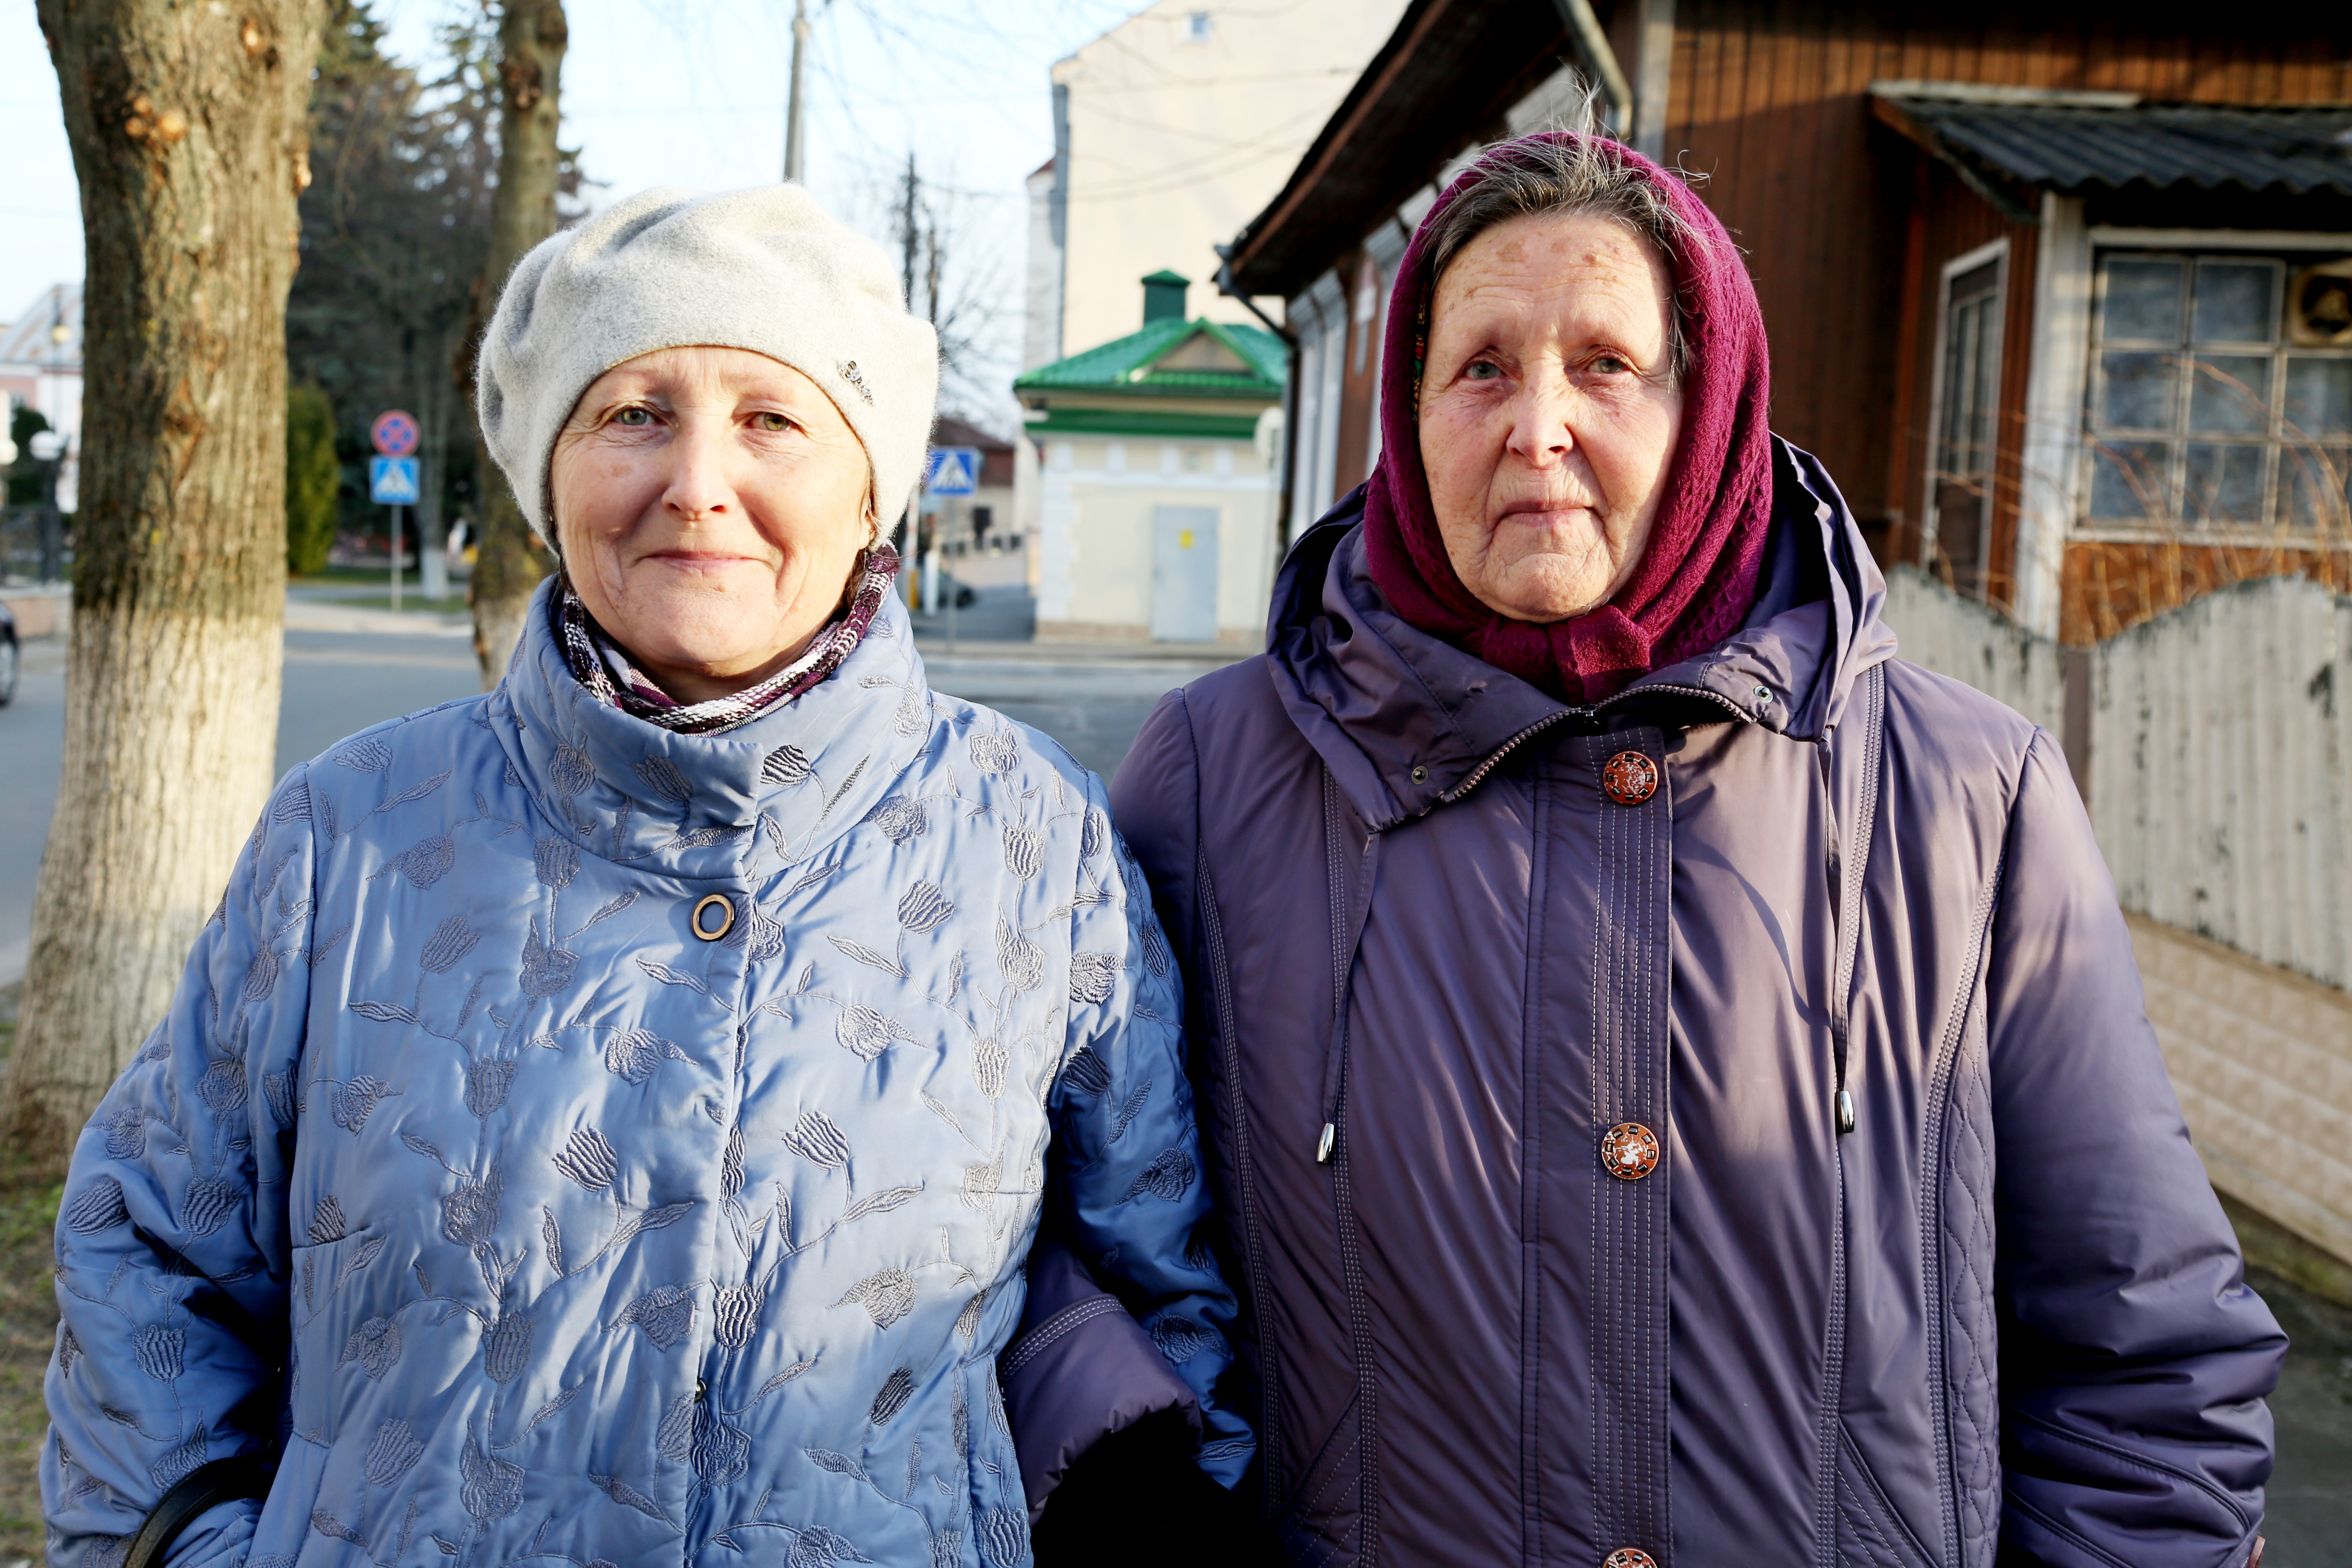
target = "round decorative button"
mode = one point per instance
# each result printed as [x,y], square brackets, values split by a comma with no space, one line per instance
[1629,1150]
[1629,778]
[726,910]
[1629,1557]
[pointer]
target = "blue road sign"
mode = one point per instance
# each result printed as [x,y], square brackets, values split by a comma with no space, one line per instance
[392,481]
[953,471]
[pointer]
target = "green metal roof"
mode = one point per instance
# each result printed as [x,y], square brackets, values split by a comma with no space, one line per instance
[1130,364]
[1144,424]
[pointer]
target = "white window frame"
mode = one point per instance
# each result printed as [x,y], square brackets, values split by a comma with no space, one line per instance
[1996,252]
[2107,237]
[1317,317]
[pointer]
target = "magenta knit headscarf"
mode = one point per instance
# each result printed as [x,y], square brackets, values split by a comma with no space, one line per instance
[1696,580]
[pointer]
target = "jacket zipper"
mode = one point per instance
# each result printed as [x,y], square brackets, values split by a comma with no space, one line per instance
[1478,775]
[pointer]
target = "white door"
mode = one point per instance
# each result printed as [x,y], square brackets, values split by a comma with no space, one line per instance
[1184,573]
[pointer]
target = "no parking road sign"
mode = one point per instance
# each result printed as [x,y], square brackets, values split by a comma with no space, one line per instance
[395,433]
[953,471]
[392,481]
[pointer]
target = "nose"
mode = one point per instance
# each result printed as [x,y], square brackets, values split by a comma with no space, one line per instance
[1541,433]
[698,486]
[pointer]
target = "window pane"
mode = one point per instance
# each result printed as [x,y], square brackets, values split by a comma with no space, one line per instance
[2318,397]
[2140,391]
[2143,300]
[1971,342]
[1959,359]
[2235,301]
[2318,486]
[2225,483]
[1977,280]
[2231,393]
[2127,480]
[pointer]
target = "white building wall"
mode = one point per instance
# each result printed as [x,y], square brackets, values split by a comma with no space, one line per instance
[1180,134]
[1097,562]
[1041,340]
[1056,538]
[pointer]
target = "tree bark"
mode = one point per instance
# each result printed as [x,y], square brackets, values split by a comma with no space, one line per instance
[511,560]
[191,144]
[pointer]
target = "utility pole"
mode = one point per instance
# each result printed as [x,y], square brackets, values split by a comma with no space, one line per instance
[931,278]
[795,145]
[913,235]
[910,233]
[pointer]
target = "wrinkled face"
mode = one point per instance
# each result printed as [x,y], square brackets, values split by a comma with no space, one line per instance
[1547,415]
[710,503]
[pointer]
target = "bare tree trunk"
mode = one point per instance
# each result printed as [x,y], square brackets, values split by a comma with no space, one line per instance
[191,143]
[509,562]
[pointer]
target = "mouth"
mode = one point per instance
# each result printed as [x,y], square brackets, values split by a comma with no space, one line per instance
[698,561]
[1546,512]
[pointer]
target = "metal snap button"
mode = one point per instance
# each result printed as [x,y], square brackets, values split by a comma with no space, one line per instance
[1629,1557]
[1421,775]
[1629,778]
[1629,1151]
[726,917]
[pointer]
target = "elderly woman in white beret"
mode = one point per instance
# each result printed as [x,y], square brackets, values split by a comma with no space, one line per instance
[605,1121]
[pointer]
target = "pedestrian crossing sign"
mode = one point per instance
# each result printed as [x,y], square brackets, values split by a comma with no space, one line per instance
[953,471]
[392,481]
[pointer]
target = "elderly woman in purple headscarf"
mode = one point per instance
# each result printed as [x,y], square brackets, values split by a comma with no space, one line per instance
[1673,1075]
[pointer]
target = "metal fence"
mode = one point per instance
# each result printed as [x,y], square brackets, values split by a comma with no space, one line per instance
[2217,744]
[36,545]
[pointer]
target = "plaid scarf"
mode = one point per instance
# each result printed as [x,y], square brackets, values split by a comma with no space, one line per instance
[603,666]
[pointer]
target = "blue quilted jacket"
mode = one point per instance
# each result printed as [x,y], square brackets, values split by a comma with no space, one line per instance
[573,1141]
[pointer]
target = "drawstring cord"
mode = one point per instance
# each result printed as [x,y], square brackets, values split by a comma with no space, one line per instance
[1343,958]
[1855,864]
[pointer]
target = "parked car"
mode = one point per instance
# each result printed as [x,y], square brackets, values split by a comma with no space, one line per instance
[7,656]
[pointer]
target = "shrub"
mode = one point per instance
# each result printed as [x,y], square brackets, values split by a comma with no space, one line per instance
[313,479]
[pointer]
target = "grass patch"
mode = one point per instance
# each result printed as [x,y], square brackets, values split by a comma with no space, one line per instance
[28,1327]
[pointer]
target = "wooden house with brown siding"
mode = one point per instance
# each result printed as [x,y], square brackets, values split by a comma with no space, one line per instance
[2062,296]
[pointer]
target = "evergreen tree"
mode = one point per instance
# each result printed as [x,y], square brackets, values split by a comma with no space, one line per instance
[313,479]
[395,229]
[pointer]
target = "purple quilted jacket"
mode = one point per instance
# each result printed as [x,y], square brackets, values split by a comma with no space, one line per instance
[1445,936]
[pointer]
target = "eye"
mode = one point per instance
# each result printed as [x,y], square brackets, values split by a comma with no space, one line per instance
[634,417]
[770,423]
[1611,365]
[1482,370]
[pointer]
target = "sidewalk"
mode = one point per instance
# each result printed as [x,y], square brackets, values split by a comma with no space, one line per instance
[326,607]
[326,616]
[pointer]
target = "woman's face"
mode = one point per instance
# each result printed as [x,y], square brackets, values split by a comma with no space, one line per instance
[710,503]
[1547,415]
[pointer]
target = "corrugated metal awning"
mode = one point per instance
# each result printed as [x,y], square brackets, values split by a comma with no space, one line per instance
[2008,143]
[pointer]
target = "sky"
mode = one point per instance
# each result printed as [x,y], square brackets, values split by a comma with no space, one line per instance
[691,92]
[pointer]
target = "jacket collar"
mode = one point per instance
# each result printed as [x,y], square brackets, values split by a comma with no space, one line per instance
[1406,721]
[769,794]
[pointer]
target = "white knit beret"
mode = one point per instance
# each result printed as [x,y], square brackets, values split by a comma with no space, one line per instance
[766,270]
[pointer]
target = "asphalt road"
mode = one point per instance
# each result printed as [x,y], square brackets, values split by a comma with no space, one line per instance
[337,682]
[1093,701]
